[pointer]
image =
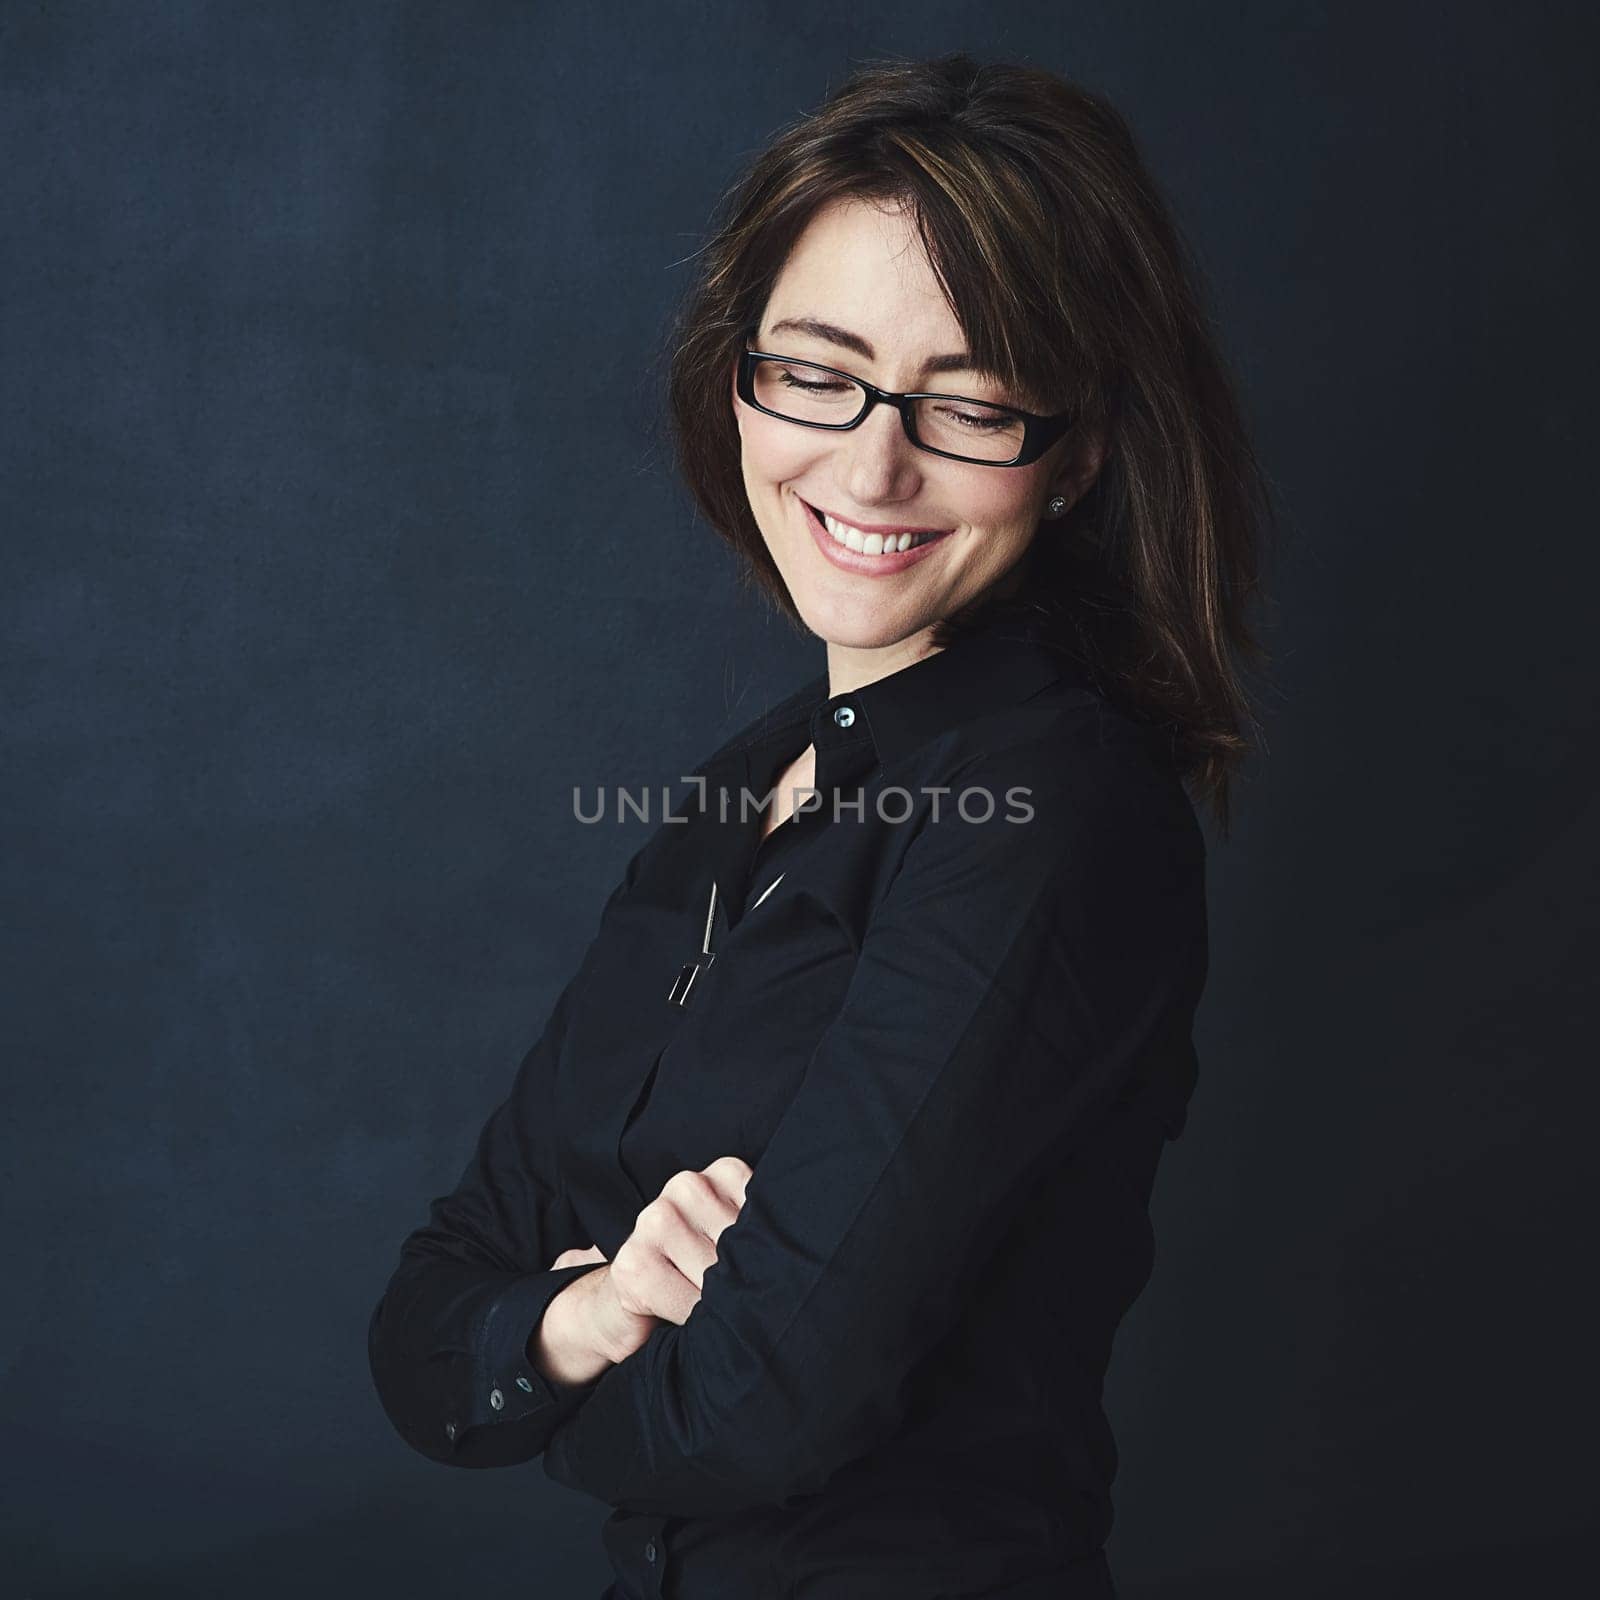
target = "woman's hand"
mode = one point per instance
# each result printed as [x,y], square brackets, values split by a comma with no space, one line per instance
[660,1267]
[601,1318]
[576,1258]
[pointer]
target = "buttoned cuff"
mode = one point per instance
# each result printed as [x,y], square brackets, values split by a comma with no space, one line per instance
[509,1398]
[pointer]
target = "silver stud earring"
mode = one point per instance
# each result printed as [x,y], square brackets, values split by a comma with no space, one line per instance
[1057,506]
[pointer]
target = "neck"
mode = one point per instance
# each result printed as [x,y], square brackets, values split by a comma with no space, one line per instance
[850,668]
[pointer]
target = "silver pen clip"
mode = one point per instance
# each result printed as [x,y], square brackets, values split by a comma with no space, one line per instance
[678,994]
[765,892]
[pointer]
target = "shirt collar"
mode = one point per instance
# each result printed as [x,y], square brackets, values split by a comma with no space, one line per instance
[998,663]
[995,663]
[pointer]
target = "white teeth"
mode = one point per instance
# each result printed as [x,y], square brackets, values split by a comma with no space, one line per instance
[872,544]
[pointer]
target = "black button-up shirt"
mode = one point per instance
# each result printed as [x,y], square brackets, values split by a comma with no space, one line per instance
[947,1020]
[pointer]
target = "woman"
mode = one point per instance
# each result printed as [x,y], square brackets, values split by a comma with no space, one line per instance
[804,1231]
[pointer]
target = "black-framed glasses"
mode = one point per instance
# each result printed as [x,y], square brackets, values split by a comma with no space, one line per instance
[816,396]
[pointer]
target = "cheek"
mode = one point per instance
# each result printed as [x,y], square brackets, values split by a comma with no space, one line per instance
[775,451]
[1003,502]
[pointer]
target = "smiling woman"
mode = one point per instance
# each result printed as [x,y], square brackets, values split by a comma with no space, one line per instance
[803,1234]
[992,233]
[865,463]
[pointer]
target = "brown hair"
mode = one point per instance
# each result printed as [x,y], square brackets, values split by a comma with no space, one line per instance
[1075,290]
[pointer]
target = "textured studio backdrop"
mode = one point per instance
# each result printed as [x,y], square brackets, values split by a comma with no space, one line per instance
[340,543]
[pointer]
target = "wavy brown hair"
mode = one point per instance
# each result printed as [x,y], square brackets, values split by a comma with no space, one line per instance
[1075,289]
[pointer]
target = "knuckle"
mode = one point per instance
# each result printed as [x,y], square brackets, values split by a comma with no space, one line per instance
[690,1186]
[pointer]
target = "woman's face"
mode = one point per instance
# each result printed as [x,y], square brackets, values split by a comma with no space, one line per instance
[863,273]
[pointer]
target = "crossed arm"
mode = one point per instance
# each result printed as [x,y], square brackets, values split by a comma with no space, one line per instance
[1012,982]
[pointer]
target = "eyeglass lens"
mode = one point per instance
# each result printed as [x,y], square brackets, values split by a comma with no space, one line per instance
[801,392]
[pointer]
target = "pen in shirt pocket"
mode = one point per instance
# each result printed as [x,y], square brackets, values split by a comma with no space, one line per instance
[678,994]
[765,892]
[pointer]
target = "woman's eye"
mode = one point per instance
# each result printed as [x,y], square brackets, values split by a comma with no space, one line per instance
[977,420]
[811,385]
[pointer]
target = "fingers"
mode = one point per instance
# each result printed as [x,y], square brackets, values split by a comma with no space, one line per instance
[672,1262]
[578,1258]
[660,1270]
[707,1200]
[730,1175]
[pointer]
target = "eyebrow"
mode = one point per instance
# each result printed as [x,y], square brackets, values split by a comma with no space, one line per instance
[961,361]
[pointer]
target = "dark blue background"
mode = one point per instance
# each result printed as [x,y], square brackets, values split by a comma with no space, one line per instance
[340,543]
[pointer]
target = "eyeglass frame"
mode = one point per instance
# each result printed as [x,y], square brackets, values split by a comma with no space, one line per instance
[1038,432]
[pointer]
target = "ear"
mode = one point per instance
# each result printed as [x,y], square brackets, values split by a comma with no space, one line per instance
[1080,466]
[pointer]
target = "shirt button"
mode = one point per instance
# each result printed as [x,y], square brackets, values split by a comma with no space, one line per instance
[496,1399]
[844,716]
[650,1551]
[450,1430]
[524,1385]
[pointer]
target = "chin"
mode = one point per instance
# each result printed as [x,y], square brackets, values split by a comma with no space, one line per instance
[854,628]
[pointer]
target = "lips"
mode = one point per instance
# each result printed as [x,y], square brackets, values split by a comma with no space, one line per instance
[857,559]
[867,543]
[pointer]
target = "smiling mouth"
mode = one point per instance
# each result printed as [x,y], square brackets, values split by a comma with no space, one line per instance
[873,544]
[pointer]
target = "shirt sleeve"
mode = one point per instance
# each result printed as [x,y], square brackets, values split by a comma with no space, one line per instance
[447,1342]
[1017,976]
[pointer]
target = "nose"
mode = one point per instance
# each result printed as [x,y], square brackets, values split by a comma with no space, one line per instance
[880,465]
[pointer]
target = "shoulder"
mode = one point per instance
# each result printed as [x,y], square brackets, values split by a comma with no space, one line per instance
[1083,766]
[1068,827]
[1070,812]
